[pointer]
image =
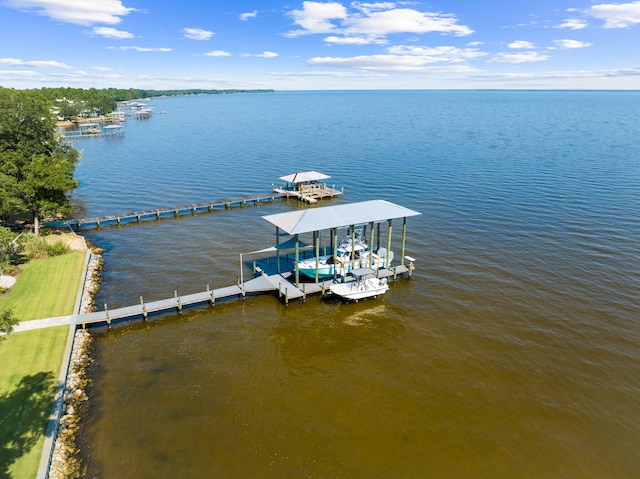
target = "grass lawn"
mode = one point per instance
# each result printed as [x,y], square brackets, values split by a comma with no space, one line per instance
[30,362]
[46,287]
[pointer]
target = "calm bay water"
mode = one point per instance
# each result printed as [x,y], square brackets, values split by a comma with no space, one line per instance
[513,352]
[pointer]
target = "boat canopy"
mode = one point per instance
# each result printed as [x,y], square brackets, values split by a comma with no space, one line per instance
[304,177]
[316,219]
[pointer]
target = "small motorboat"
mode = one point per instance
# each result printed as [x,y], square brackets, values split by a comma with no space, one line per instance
[351,253]
[361,283]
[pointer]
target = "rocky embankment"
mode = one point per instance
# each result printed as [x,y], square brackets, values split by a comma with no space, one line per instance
[66,463]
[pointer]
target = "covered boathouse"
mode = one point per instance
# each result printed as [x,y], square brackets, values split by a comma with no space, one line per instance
[309,186]
[314,220]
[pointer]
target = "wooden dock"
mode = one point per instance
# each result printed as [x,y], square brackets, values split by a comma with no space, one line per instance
[192,209]
[279,284]
[310,193]
[162,213]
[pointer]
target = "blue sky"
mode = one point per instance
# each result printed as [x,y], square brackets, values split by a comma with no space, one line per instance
[310,45]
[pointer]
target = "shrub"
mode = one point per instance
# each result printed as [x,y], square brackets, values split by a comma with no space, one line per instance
[37,248]
[7,322]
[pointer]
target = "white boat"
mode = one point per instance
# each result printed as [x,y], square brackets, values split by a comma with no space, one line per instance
[344,261]
[364,285]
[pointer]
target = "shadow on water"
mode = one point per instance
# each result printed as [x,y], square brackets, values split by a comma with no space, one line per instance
[24,414]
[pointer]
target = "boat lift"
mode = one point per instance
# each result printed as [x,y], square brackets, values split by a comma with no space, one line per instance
[314,220]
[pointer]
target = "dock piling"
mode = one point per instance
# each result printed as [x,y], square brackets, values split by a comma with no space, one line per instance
[175,295]
[144,308]
[106,312]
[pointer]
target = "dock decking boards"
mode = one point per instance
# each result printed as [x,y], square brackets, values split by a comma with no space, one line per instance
[192,209]
[264,283]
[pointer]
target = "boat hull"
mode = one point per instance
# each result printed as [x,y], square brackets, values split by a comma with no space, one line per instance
[357,290]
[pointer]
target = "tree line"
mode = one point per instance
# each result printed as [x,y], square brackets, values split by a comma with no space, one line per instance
[73,102]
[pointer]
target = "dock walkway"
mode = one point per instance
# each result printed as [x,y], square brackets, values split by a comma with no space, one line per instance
[280,283]
[161,213]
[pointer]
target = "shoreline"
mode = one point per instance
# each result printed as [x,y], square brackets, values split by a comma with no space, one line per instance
[65,462]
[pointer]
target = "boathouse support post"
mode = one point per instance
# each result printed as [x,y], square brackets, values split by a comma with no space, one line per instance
[316,243]
[378,238]
[404,238]
[388,263]
[297,270]
[334,247]
[371,247]
[353,241]
[277,250]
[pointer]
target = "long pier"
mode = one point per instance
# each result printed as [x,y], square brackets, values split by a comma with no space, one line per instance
[192,209]
[163,213]
[279,284]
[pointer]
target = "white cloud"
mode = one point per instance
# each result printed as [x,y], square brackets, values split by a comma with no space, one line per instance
[197,34]
[396,63]
[438,54]
[335,74]
[571,75]
[81,12]
[408,58]
[109,32]
[102,69]
[261,55]
[19,74]
[372,7]
[34,63]
[217,53]
[573,24]
[354,40]
[404,20]
[518,57]
[248,15]
[142,49]
[566,43]
[618,15]
[315,17]
[370,21]
[521,44]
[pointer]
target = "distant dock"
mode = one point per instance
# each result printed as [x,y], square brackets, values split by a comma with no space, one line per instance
[306,186]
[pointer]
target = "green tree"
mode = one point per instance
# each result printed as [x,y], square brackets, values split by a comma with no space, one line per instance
[37,166]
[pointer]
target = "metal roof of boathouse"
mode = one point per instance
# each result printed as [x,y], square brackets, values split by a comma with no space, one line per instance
[304,177]
[327,217]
